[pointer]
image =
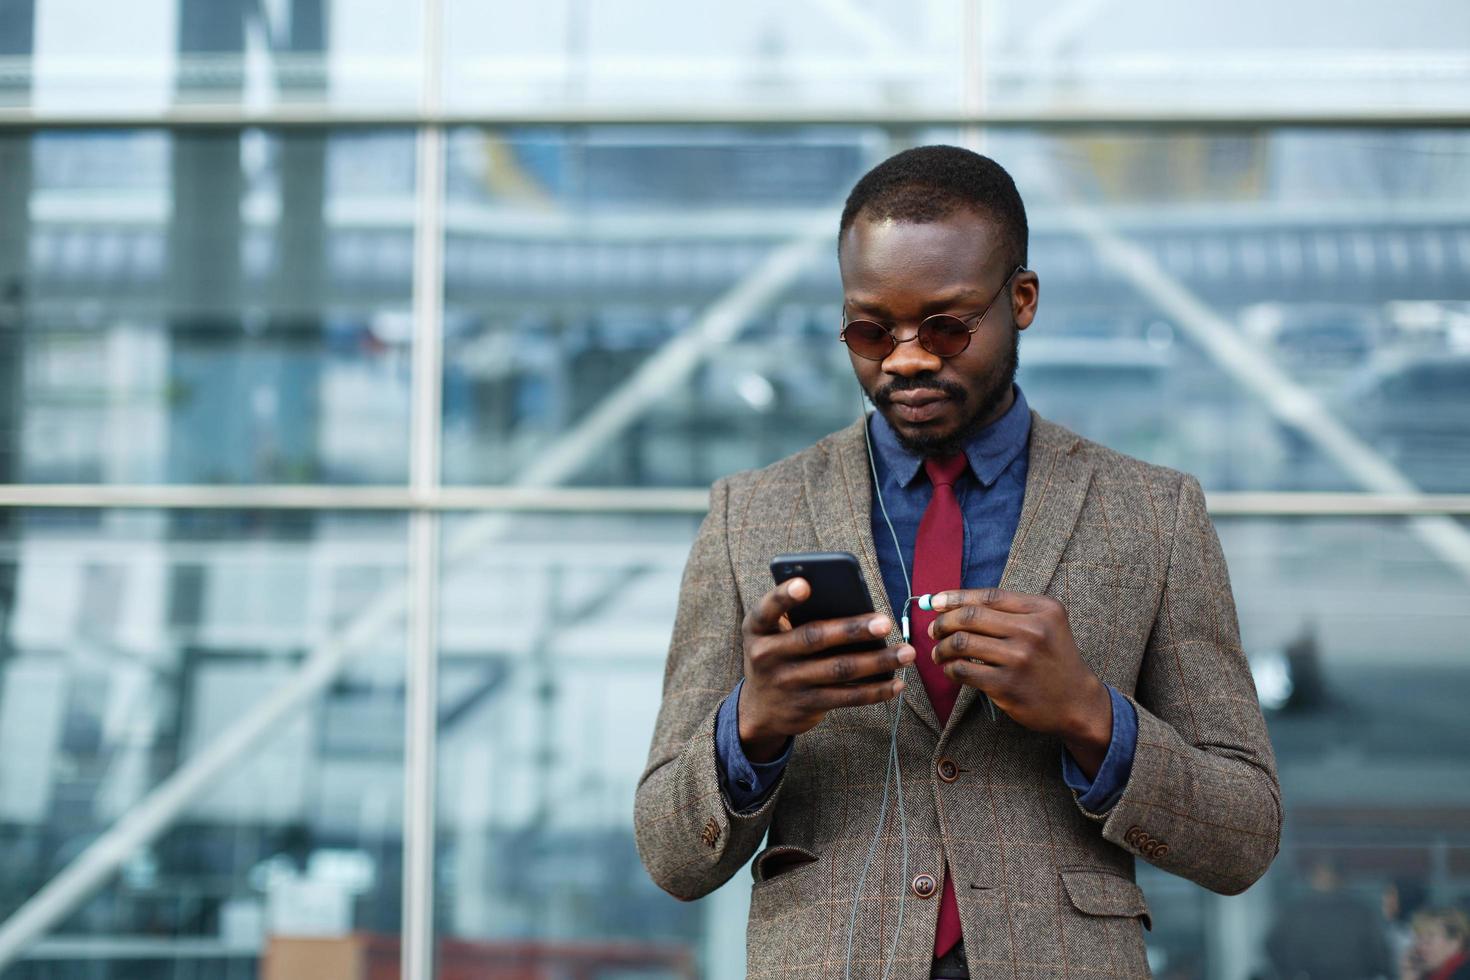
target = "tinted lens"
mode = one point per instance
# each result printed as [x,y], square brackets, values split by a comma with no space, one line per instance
[868,339]
[944,335]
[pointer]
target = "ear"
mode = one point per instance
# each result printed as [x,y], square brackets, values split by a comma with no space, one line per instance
[1025,295]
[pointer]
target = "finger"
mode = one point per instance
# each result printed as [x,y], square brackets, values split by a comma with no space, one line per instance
[1001,599]
[823,634]
[855,695]
[765,618]
[982,676]
[975,618]
[971,646]
[844,668]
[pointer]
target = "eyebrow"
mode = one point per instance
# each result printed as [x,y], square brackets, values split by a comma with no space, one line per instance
[933,306]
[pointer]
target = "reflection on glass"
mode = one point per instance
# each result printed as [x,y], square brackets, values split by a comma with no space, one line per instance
[666,53]
[73,56]
[134,641]
[1356,635]
[553,633]
[208,307]
[576,260]
[573,261]
[909,57]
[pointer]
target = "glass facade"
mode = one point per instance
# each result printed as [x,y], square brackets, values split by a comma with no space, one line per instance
[575,257]
[139,642]
[225,307]
[207,730]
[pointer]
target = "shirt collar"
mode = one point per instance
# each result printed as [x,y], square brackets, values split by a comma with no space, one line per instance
[989,452]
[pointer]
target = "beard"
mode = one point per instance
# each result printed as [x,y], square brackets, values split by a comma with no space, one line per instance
[991,393]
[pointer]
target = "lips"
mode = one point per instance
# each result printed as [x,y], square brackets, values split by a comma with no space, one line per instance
[922,405]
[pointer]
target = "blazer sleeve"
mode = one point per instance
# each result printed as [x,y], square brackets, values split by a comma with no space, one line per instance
[1203,800]
[690,837]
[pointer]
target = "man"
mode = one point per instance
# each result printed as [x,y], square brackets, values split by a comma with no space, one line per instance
[1081,593]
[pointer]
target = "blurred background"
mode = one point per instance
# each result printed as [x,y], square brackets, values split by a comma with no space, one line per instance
[363,367]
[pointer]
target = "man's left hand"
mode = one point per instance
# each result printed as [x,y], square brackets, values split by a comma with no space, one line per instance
[1019,650]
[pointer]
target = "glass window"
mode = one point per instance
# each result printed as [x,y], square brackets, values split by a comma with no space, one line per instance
[137,645]
[1230,323]
[650,55]
[215,307]
[76,57]
[1355,630]
[553,634]
[951,56]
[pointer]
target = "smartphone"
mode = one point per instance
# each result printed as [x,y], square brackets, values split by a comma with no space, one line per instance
[838,591]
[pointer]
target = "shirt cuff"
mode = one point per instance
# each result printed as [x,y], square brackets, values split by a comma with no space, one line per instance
[1100,793]
[746,783]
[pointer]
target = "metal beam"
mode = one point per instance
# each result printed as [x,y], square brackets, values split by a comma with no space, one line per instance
[421,681]
[624,500]
[1101,117]
[115,947]
[326,497]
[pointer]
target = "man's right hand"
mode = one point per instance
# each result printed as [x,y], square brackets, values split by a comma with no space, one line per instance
[791,681]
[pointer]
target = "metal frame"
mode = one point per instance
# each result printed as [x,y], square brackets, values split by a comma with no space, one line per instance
[623,500]
[421,680]
[319,116]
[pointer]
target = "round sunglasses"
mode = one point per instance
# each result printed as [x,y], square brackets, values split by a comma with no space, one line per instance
[943,334]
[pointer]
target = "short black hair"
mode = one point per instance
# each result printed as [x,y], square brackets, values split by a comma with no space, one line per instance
[930,183]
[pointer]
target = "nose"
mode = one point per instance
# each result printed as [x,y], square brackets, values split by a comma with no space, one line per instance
[910,358]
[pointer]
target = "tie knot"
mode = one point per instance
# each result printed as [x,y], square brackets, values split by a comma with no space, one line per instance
[944,470]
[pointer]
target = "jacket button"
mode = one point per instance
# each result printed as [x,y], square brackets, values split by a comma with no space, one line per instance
[925,886]
[1160,851]
[947,770]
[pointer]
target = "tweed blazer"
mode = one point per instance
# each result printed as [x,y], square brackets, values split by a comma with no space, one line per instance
[1045,889]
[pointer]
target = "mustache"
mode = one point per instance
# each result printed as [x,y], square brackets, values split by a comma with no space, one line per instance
[883,395]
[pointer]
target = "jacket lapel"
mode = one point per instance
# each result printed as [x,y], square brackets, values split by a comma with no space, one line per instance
[839,490]
[1057,479]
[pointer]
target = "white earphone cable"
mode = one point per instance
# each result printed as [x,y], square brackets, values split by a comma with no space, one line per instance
[894,771]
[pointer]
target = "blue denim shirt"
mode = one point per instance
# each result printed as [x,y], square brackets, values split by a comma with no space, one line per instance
[990,493]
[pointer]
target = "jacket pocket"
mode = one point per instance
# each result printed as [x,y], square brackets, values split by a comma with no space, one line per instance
[780,861]
[786,917]
[1095,892]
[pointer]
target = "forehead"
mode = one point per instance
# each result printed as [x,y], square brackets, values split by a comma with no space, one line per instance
[884,258]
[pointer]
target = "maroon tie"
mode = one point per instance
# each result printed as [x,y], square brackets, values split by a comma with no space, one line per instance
[939,553]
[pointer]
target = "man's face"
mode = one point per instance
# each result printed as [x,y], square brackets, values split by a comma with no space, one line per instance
[898,272]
